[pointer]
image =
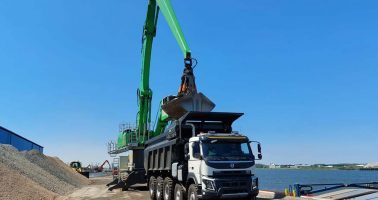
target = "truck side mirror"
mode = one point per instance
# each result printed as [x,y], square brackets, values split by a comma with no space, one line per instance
[186,151]
[198,156]
[196,150]
[259,151]
[259,148]
[186,148]
[259,154]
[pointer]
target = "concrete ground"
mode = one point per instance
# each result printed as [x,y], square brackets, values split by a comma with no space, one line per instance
[98,190]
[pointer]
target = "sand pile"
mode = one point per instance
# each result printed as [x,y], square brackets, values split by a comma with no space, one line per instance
[35,174]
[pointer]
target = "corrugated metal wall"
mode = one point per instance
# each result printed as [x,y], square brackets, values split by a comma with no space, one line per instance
[21,143]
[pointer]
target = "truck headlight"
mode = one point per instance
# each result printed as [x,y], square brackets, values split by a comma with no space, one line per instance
[209,184]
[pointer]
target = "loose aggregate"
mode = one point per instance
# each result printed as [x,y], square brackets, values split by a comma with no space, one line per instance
[42,176]
[18,187]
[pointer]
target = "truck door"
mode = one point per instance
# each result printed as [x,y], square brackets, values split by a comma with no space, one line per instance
[194,163]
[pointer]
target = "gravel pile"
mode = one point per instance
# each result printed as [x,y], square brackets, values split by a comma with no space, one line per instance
[56,167]
[18,187]
[36,169]
[66,169]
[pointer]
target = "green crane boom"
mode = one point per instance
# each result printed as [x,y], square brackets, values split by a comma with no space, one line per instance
[143,131]
[144,91]
[169,14]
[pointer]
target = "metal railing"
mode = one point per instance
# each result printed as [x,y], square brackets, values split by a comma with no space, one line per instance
[310,189]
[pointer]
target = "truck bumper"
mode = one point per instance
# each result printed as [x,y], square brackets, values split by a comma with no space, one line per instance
[209,195]
[232,189]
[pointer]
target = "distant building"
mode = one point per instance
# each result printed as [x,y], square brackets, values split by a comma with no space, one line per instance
[303,165]
[274,166]
[371,166]
[19,142]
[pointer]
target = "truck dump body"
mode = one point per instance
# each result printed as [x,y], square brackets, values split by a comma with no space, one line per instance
[168,148]
[161,156]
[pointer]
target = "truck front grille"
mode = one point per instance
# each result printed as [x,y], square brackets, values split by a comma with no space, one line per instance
[232,173]
[234,191]
[234,186]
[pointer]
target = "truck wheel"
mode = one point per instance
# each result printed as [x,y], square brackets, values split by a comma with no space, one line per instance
[179,193]
[168,189]
[193,192]
[159,188]
[152,187]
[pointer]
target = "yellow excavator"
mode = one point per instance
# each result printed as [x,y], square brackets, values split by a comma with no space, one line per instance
[77,166]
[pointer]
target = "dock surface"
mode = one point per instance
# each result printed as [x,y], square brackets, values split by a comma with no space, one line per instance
[98,190]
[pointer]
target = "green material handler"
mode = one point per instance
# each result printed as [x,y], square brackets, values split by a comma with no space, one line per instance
[170,107]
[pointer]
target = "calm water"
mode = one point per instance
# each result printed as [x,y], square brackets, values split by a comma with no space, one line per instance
[279,179]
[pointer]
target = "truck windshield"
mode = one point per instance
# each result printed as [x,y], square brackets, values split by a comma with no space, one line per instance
[227,151]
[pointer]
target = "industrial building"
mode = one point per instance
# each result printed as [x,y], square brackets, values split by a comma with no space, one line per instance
[19,142]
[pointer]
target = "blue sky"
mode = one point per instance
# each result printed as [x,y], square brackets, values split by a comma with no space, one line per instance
[303,72]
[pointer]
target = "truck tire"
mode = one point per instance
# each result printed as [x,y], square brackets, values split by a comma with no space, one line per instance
[179,193]
[152,187]
[168,189]
[193,192]
[159,188]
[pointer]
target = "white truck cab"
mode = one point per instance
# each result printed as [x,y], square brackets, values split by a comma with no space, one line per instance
[222,166]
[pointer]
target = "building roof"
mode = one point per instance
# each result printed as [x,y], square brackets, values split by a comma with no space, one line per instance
[7,130]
